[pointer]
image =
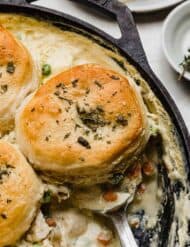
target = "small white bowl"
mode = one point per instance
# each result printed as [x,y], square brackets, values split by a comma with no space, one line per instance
[144,6]
[176,36]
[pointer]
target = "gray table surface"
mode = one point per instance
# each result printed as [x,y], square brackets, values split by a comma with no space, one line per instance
[150,29]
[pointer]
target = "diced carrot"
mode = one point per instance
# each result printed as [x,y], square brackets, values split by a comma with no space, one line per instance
[51,222]
[104,238]
[148,168]
[110,196]
[134,171]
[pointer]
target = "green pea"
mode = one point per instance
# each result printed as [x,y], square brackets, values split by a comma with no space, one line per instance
[46,69]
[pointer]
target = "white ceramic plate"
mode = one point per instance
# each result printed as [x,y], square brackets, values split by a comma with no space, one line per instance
[142,6]
[176,36]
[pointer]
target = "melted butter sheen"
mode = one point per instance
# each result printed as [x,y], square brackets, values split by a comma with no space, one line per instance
[64,49]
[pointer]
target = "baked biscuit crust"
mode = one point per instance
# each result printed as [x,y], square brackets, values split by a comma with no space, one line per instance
[82,124]
[17,77]
[20,193]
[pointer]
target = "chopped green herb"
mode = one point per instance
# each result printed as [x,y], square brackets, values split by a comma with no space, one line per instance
[59,85]
[77,126]
[117,178]
[57,93]
[87,132]
[185,64]
[5,171]
[4,88]
[47,197]
[67,135]
[92,118]
[114,77]
[33,109]
[122,120]
[98,83]
[87,90]
[47,138]
[82,159]
[46,69]
[3,216]
[82,141]
[138,81]
[97,137]
[74,82]
[10,68]
[113,94]
[100,108]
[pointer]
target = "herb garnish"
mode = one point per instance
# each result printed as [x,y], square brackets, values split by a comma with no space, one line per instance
[60,85]
[46,69]
[82,141]
[46,203]
[185,64]
[58,94]
[82,159]
[4,88]
[10,68]
[5,171]
[98,83]
[67,135]
[68,100]
[87,91]
[33,109]
[114,77]
[87,132]
[47,138]
[121,120]
[74,82]
[97,137]
[113,94]
[4,216]
[92,118]
[47,197]
[116,179]
[77,126]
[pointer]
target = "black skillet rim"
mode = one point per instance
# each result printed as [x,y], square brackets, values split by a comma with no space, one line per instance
[23,8]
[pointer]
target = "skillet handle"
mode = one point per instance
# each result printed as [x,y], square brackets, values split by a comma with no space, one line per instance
[130,40]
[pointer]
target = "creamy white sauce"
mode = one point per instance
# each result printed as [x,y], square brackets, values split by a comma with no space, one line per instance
[62,50]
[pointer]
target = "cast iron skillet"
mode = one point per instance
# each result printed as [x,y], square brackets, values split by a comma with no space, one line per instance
[130,47]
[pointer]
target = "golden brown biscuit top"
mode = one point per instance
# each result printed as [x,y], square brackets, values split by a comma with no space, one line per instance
[87,116]
[20,192]
[16,68]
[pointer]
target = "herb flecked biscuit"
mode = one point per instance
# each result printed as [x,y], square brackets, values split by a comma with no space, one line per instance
[17,77]
[20,193]
[83,125]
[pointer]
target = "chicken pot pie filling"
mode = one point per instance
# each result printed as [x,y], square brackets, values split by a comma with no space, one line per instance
[154,182]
